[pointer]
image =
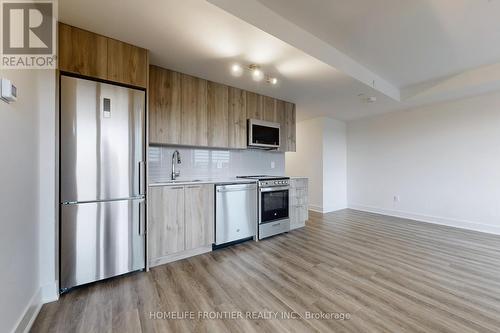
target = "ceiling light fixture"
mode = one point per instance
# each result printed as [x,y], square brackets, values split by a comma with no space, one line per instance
[256,73]
[272,80]
[236,70]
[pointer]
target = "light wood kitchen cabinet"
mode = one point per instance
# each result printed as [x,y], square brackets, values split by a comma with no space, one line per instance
[185,110]
[164,106]
[82,52]
[218,115]
[127,63]
[255,106]
[199,215]
[180,222]
[299,202]
[194,115]
[269,109]
[290,134]
[237,118]
[86,53]
[166,227]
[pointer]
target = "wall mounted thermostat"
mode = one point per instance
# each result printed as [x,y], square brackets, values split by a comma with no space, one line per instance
[8,91]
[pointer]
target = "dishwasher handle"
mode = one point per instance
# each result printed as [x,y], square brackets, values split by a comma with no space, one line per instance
[235,188]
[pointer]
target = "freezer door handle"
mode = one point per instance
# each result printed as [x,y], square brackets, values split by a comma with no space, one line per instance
[142,177]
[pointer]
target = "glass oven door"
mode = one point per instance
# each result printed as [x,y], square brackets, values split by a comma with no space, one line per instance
[273,204]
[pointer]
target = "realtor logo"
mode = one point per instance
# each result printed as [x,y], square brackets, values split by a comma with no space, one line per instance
[28,35]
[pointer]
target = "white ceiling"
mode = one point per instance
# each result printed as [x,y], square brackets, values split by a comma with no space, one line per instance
[199,38]
[404,41]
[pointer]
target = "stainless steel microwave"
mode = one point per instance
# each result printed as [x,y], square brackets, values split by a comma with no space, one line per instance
[263,134]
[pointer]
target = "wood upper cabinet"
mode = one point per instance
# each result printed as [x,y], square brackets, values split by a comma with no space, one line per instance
[186,110]
[269,109]
[194,115]
[255,106]
[164,106]
[199,215]
[127,63]
[218,115]
[166,229]
[89,54]
[82,52]
[237,118]
[290,127]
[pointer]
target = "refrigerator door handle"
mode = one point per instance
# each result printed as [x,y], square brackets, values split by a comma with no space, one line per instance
[142,177]
[141,216]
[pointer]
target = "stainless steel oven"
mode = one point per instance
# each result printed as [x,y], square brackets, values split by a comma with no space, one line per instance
[274,209]
[273,205]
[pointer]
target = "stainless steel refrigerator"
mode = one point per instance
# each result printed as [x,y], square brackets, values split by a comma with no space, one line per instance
[102,187]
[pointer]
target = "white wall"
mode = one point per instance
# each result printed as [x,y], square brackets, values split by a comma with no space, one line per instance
[47,186]
[19,197]
[307,161]
[321,156]
[443,161]
[334,165]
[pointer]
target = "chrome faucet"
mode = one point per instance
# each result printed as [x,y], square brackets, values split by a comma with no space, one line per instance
[175,174]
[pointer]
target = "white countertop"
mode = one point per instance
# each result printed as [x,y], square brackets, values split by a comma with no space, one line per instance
[181,182]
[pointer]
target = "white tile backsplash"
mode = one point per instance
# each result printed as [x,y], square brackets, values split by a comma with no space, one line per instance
[205,163]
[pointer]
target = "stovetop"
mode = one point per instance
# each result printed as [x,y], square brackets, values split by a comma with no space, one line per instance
[264,177]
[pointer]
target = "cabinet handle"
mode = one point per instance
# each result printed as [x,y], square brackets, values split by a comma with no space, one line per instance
[198,186]
[177,188]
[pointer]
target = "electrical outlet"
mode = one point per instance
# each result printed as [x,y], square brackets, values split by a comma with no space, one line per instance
[396,198]
[273,165]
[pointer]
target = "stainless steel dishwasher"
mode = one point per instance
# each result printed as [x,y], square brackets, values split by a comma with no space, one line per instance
[235,213]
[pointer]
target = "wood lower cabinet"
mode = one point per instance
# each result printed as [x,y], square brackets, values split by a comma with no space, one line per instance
[89,54]
[166,227]
[82,52]
[199,215]
[180,222]
[299,202]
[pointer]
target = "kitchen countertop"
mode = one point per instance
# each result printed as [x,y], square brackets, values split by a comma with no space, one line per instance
[206,181]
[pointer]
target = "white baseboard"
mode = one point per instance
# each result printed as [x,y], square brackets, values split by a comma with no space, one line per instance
[50,292]
[462,224]
[317,209]
[323,210]
[30,313]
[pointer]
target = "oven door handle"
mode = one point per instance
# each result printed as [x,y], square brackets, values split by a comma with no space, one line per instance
[274,189]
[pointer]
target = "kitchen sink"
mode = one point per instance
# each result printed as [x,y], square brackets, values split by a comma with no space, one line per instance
[182,181]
